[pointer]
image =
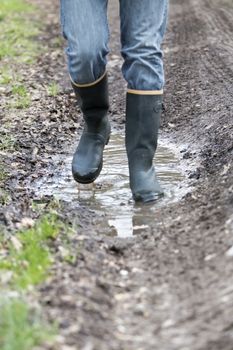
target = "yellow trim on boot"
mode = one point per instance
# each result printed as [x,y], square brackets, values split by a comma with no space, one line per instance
[89,84]
[145,92]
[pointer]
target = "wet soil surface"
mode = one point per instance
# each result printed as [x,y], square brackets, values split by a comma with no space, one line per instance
[169,286]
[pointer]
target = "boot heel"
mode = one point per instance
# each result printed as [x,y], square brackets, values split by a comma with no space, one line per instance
[109,134]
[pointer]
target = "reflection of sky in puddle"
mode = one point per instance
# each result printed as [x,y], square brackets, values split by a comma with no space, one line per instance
[110,194]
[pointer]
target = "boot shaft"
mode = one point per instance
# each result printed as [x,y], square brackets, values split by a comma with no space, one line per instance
[93,100]
[142,124]
[94,103]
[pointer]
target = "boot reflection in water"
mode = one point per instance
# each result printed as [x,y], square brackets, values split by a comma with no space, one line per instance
[85,27]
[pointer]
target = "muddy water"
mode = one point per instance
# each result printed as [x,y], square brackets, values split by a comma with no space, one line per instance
[110,196]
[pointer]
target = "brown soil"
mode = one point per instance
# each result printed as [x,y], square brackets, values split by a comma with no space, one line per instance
[171,288]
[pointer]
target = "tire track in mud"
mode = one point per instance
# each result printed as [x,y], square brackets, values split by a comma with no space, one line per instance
[204,64]
[185,319]
[218,18]
[218,58]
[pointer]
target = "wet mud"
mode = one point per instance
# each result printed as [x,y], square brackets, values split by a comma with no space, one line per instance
[171,286]
[110,196]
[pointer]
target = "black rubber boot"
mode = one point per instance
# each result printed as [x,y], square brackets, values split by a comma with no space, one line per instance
[142,125]
[88,159]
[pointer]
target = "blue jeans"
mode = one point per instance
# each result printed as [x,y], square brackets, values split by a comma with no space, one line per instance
[143,23]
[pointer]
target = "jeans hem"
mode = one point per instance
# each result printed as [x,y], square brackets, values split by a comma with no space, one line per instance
[89,84]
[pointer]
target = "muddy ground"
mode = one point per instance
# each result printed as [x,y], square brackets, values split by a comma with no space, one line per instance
[171,288]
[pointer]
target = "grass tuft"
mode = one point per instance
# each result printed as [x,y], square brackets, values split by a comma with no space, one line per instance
[3,173]
[24,261]
[20,328]
[4,198]
[53,89]
[22,97]
[7,142]
[29,264]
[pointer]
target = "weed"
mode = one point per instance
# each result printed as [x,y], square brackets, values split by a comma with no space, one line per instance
[19,90]
[53,89]
[22,97]
[54,204]
[7,142]
[22,102]
[8,75]
[70,258]
[4,197]
[3,173]
[5,77]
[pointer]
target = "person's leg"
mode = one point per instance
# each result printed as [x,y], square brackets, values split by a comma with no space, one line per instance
[85,26]
[142,29]
[143,25]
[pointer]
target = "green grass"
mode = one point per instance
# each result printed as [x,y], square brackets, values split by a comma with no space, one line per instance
[28,257]
[12,6]
[18,45]
[18,31]
[20,327]
[29,264]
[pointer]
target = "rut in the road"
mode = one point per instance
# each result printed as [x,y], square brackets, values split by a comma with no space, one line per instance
[171,286]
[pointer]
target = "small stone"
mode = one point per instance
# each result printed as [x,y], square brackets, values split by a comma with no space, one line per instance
[121,296]
[25,223]
[124,273]
[168,323]
[172,125]
[209,257]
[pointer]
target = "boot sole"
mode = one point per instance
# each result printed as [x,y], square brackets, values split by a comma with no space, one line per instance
[90,180]
[148,198]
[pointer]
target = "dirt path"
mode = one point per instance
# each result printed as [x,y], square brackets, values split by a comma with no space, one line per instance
[171,288]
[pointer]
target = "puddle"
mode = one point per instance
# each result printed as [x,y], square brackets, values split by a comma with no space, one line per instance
[110,195]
